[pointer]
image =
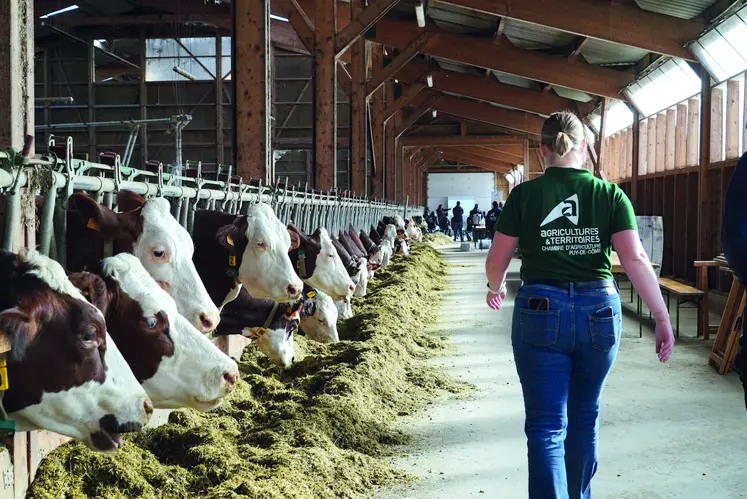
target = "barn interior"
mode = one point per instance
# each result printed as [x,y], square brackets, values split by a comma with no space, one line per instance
[412,103]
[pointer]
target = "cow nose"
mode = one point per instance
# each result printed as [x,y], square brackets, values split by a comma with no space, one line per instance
[293,291]
[351,287]
[230,378]
[148,406]
[209,321]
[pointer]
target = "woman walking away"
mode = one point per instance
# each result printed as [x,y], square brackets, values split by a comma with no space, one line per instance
[567,315]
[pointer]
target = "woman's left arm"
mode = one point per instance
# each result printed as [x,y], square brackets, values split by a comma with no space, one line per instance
[496,266]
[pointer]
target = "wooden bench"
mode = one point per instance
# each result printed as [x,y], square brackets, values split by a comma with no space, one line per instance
[683,293]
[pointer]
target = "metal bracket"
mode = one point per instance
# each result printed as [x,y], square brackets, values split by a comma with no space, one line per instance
[8,478]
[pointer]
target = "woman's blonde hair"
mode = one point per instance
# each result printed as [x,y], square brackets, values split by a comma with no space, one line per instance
[562,132]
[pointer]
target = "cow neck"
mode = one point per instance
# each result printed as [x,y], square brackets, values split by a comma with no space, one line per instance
[301,263]
[233,269]
[263,330]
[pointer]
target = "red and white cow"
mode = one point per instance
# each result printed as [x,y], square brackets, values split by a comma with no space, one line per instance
[177,365]
[65,373]
[149,231]
[317,262]
[319,317]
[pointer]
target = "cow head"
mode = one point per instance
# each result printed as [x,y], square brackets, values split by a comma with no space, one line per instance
[386,249]
[361,287]
[176,364]
[344,308]
[390,233]
[262,242]
[65,373]
[319,317]
[321,266]
[269,324]
[151,233]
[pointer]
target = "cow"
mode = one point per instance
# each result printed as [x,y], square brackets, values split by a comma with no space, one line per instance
[344,309]
[319,317]
[176,364]
[386,250]
[374,235]
[268,323]
[356,265]
[398,222]
[318,263]
[390,233]
[357,241]
[250,251]
[149,231]
[65,374]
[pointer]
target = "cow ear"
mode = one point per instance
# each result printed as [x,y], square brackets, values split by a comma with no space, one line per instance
[309,308]
[229,236]
[16,330]
[129,202]
[93,289]
[295,240]
[96,217]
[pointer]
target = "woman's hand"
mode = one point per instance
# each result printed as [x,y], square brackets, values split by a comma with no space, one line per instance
[495,301]
[664,338]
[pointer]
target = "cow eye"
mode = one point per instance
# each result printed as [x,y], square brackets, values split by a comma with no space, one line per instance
[151,322]
[321,321]
[89,335]
[160,254]
[261,244]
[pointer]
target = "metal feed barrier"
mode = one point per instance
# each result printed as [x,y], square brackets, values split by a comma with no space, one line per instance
[57,175]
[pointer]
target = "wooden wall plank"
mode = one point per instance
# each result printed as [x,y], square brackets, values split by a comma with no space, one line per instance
[651,146]
[717,125]
[693,131]
[661,135]
[732,119]
[629,153]
[680,148]
[669,147]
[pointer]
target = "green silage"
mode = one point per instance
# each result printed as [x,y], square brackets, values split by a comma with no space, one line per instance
[320,429]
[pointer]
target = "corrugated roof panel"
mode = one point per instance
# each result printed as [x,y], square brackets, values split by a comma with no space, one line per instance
[569,93]
[685,9]
[532,36]
[460,19]
[516,80]
[449,65]
[604,52]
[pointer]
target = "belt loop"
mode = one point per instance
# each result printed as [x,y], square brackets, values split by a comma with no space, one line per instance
[617,286]
[571,289]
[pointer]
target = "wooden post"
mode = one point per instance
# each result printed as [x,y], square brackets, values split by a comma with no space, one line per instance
[680,148]
[358,124]
[693,126]
[650,146]
[91,63]
[251,79]
[377,109]
[325,88]
[732,119]
[705,154]
[389,179]
[635,156]
[143,100]
[661,135]
[599,146]
[716,144]
[669,160]
[220,156]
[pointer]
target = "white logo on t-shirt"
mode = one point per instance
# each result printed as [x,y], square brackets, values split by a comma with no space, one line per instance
[567,209]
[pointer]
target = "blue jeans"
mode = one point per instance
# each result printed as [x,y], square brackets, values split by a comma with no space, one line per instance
[458,232]
[563,356]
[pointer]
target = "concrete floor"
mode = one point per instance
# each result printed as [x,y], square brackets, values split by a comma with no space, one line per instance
[668,431]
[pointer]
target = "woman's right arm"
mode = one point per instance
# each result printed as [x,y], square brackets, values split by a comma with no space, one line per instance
[637,266]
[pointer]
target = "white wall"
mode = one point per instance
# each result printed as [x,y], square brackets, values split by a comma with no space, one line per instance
[477,186]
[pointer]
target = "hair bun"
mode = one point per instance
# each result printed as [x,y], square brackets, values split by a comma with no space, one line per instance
[563,144]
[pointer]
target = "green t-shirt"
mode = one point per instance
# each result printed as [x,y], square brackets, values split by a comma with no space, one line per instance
[564,221]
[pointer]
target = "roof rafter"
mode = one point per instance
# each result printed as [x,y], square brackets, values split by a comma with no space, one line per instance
[487,154]
[613,21]
[478,160]
[492,115]
[506,58]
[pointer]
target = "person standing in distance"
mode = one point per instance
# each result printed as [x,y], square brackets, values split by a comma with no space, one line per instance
[458,221]
[567,314]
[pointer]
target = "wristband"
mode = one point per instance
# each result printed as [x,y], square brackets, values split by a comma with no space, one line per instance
[500,290]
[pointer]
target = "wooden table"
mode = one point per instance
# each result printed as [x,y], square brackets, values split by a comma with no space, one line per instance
[617,267]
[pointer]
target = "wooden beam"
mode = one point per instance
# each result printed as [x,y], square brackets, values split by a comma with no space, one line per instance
[515,152]
[409,50]
[407,96]
[732,119]
[474,140]
[618,22]
[717,125]
[485,113]
[693,122]
[358,108]
[489,154]
[431,100]
[482,164]
[325,88]
[252,56]
[680,155]
[476,87]
[599,146]
[506,58]
[669,146]
[450,152]
[578,47]
[703,251]
[377,109]
[362,22]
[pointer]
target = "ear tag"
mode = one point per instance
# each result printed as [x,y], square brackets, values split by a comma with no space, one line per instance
[93,225]
[311,294]
[5,345]
[258,334]
[229,239]
[232,260]
[3,375]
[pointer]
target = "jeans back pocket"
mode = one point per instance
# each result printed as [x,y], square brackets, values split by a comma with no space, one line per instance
[605,331]
[539,327]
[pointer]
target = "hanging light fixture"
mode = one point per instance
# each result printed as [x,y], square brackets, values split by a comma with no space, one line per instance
[185,74]
[434,113]
[420,13]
